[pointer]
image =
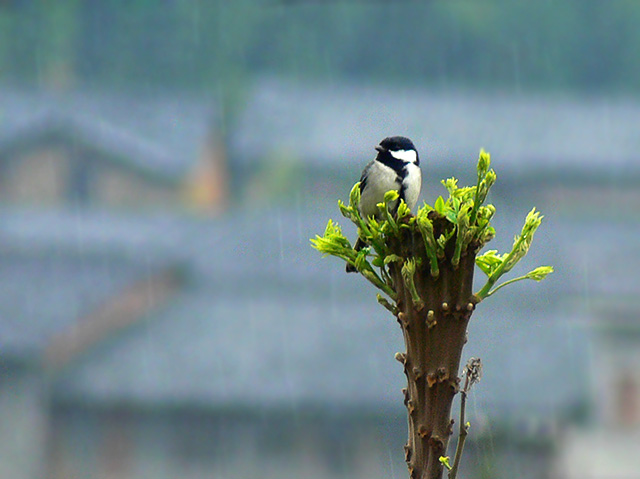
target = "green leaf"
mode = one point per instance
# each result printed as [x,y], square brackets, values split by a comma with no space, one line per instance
[451,215]
[439,205]
[489,261]
[455,203]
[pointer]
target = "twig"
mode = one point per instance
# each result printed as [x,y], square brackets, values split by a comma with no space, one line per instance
[464,430]
[473,373]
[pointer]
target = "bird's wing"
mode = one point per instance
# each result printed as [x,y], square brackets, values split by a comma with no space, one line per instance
[365,174]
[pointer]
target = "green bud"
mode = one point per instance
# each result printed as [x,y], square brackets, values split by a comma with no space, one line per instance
[522,242]
[490,178]
[332,228]
[451,184]
[424,210]
[540,273]
[467,193]
[361,259]
[425,223]
[392,258]
[532,221]
[391,195]
[488,235]
[442,241]
[354,196]
[444,460]
[384,302]
[346,211]
[408,271]
[484,161]
[463,218]
[486,212]
[403,210]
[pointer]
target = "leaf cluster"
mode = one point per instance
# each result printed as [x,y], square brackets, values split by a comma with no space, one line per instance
[467,226]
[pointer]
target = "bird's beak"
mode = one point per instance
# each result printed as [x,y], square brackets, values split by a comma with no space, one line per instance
[380,148]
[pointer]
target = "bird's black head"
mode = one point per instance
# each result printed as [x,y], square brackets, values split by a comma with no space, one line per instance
[400,148]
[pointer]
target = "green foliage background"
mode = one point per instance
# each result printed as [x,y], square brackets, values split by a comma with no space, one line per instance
[546,44]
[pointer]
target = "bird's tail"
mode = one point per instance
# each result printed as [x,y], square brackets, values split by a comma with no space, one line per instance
[358,246]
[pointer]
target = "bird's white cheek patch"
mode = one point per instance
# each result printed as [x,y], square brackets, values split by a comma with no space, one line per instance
[405,155]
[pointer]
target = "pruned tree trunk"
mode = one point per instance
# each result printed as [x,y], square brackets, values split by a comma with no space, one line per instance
[434,333]
[424,265]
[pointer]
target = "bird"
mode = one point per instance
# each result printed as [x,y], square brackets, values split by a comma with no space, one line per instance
[395,167]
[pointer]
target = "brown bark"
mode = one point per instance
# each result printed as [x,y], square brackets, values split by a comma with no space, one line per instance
[434,336]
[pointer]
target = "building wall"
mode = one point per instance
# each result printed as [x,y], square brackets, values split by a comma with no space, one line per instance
[128,444]
[117,187]
[38,176]
[616,381]
[23,424]
[55,174]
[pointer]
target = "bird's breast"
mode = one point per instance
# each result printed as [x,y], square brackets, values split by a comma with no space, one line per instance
[412,183]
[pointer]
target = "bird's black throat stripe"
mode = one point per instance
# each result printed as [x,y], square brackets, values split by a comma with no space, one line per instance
[386,158]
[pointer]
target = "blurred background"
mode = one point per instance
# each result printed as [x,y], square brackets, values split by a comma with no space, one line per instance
[164,164]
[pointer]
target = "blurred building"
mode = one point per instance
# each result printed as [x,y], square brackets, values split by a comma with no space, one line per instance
[139,340]
[112,151]
[607,445]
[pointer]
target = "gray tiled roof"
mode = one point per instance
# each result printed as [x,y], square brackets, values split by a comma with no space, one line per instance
[332,125]
[45,292]
[156,133]
[57,266]
[262,352]
[271,324]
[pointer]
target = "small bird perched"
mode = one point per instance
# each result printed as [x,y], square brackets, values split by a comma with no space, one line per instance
[396,167]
